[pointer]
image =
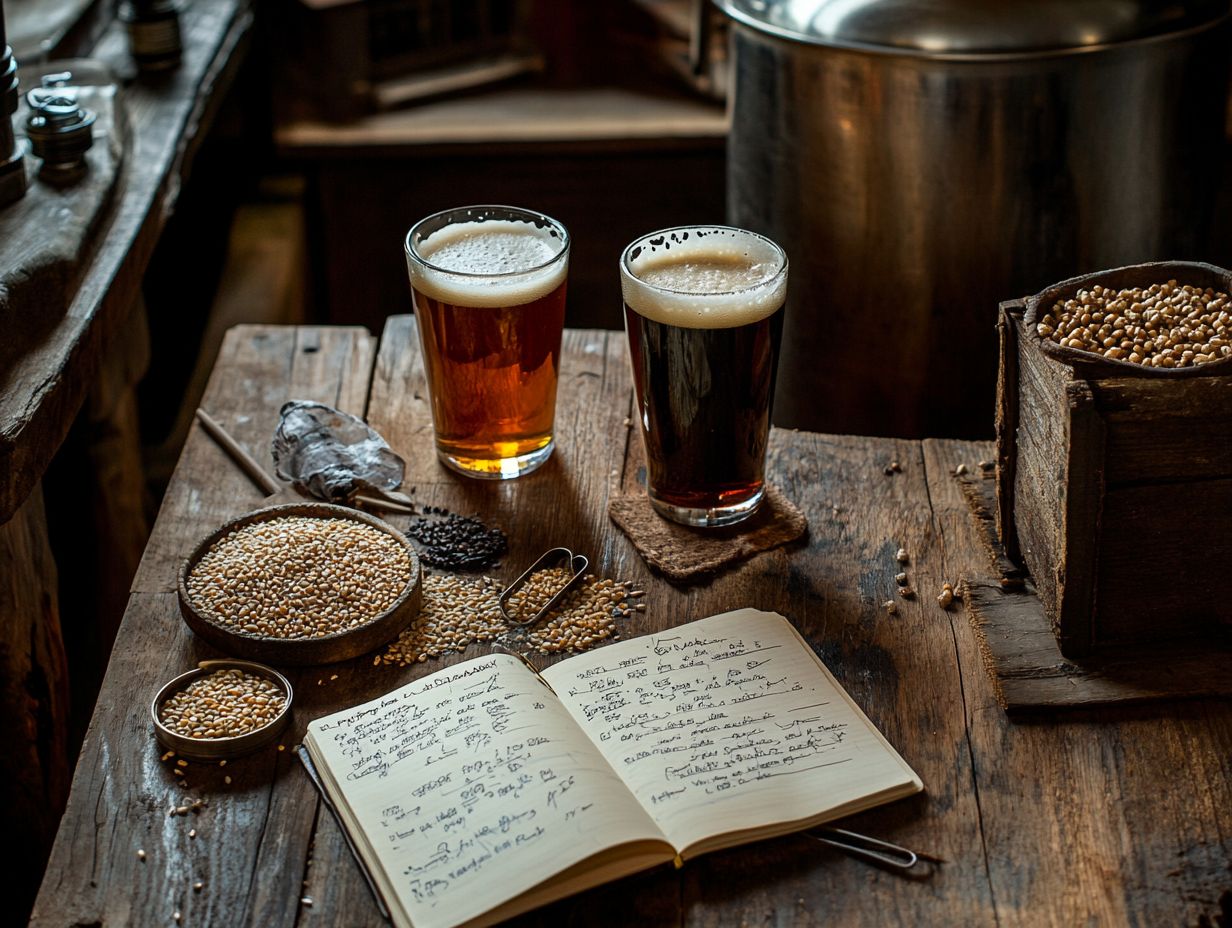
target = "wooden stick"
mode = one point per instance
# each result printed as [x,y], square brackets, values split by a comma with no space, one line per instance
[394,502]
[384,505]
[256,473]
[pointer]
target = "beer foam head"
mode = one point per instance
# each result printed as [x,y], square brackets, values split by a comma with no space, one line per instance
[704,277]
[488,262]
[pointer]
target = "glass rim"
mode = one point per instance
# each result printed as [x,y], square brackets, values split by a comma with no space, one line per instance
[781,271]
[565,242]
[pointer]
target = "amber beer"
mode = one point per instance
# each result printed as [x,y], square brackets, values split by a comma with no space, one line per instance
[488,285]
[704,315]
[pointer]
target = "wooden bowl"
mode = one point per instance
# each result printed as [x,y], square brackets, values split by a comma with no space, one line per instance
[1090,364]
[328,649]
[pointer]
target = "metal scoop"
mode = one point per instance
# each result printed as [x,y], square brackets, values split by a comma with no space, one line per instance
[577,563]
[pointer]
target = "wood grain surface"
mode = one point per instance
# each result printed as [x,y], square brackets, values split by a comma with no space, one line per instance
[34,696]
[1105,817]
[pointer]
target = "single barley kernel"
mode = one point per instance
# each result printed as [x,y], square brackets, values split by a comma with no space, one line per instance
[945,598]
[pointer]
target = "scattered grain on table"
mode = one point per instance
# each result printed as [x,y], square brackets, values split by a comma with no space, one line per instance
[299,577]
[586,616]
[458,611]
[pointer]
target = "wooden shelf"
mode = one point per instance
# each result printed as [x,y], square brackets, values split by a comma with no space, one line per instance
[518,116]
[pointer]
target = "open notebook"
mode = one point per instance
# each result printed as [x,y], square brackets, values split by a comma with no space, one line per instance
[486,790]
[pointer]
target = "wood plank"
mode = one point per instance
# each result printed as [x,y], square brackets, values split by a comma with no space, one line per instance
[121,791]
[899,668]
[1180,430]
[1020,650]
[1030,673]
[42,391]
[1105,816]
[1082,502]
[49,236]
[517,116]
[34,699]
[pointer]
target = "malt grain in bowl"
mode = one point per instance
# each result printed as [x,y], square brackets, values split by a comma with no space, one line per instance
[358,638]
[1192,273]
[225,748]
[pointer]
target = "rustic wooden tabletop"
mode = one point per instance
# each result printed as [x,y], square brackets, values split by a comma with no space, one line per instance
[1101,817]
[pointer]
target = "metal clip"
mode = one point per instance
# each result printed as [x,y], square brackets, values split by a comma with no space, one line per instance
[882,853]
[578,563]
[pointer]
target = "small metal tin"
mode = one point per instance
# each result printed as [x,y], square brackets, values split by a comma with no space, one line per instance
[221,748]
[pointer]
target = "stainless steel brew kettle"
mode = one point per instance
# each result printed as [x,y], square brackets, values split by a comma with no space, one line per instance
[921,161]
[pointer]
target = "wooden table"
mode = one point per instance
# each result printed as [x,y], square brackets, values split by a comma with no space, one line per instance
[1102,817]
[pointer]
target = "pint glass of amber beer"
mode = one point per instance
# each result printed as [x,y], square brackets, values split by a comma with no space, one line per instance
[488,284]
[704,315]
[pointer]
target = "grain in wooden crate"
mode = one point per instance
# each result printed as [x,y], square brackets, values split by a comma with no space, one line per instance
[1114,478]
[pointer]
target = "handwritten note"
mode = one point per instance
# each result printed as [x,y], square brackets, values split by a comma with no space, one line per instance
[724,726]
[472,786]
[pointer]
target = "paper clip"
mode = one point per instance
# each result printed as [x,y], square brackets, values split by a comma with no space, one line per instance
[873,850]
[577,563]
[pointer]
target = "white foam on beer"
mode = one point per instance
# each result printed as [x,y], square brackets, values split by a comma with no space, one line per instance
[492,247]
[718,280]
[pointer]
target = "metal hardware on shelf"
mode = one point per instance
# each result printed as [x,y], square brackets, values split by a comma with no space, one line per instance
[60,131]
[153,33]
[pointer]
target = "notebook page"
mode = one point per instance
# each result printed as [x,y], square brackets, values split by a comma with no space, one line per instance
[471,786]
[726,724]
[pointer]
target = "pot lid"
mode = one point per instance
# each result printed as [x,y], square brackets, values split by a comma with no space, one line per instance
[971,27]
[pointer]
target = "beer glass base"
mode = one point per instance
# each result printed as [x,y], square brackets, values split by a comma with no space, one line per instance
[497,468]
[709,518]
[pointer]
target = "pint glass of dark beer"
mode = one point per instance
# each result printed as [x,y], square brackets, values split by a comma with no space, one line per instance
[704,315]
[488,285]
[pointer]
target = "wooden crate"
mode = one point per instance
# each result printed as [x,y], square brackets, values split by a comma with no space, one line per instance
[1114,481]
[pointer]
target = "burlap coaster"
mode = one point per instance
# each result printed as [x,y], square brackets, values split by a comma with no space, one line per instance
[681,553]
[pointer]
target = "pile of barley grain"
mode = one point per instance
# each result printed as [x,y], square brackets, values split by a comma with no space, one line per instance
[223,704]
[1164,325]
[299,577]
[457,611]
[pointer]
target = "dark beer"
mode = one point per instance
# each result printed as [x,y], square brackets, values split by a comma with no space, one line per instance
[489,300]
[704,319]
